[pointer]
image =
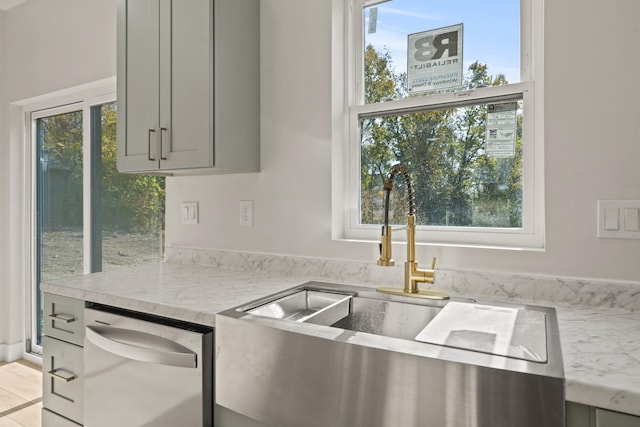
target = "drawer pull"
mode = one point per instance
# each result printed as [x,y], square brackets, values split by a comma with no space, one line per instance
[61,374]
[66,318]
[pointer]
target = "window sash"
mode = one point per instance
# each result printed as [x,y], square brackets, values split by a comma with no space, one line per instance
[531,235]
[529,13]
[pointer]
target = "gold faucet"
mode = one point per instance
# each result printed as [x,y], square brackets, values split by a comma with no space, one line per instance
[412,274]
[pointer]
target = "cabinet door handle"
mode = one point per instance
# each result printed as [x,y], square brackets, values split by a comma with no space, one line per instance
[151,159]
[66,318]
[162,156]
[61,374]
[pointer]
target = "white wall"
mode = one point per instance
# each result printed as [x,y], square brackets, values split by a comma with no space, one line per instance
[592,132]
[292,193]
[54,45]
[48,46]
[591,148]
[4,192]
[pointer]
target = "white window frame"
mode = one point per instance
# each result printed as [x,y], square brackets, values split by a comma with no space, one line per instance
[531,235]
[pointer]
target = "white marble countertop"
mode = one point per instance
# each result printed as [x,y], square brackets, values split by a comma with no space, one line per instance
[601,354]
[601,345]
[185,292]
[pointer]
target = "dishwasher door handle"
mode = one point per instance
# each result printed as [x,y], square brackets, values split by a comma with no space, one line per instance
[141,346]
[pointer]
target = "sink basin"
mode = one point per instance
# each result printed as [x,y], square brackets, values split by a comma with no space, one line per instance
[323,354]
[305,305]
[388,318]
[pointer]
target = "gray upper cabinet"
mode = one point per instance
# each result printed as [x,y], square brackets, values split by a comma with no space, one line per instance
[188,86]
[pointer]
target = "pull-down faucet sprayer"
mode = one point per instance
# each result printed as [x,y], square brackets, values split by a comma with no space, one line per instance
[412,274]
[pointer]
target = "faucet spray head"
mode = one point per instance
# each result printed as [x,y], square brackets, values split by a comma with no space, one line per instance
[385,259]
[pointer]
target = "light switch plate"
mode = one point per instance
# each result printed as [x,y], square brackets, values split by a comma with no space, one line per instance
[619,219]
[189,212]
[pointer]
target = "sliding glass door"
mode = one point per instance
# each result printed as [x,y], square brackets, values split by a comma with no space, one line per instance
[87,217]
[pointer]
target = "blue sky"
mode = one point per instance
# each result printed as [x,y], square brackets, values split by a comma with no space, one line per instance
[491,30]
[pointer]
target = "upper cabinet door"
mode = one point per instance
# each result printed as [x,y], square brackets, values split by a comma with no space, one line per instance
[138,83]
[188,86]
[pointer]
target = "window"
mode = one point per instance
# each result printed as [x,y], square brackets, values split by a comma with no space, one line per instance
[452,89]
[86,216]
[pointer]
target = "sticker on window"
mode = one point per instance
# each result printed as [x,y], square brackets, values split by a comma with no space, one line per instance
[501,130]
[434,59]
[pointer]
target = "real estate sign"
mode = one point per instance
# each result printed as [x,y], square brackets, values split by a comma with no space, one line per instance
[434,59]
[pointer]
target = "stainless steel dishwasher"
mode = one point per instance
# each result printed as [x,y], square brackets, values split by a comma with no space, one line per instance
[146,371]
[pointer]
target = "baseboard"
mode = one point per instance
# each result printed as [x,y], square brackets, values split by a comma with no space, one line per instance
[11,352]
[33,358]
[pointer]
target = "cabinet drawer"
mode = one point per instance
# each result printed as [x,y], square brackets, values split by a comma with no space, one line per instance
[62,384]
[51,419]
[63,318]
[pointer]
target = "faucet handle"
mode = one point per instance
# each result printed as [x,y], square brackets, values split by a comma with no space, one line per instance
[433,263]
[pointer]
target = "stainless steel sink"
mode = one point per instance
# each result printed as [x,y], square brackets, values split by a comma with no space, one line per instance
[333,355]
[305,305]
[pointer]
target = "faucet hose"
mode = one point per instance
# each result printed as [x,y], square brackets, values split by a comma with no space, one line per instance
[388,186]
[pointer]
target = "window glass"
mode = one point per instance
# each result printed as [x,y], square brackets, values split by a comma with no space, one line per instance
[60,220]
[129,209]
[426,47]
[465,172]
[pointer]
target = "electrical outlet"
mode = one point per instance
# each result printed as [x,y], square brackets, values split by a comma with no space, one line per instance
[246,213]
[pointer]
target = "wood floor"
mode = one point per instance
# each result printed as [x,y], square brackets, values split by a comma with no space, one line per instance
[20,394]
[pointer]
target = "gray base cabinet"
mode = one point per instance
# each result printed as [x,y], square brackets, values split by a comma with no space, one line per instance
[188,86]
[62,361]
[578,415]
[51,419]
